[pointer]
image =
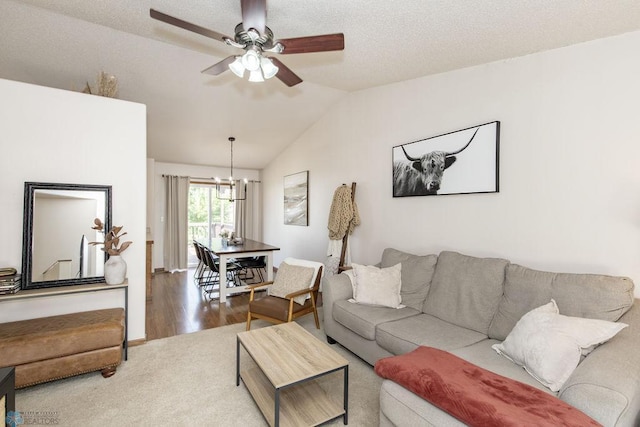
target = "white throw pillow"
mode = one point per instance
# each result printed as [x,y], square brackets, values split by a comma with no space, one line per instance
[549,345]
[377,286]
[291,278]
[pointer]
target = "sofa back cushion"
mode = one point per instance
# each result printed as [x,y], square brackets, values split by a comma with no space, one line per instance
[524,290]
[417,272]
[592,296]
[466,290]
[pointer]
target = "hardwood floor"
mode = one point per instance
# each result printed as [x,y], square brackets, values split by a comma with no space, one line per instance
[179,307]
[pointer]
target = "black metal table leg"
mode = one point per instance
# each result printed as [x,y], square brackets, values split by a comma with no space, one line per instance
[346,395]
[126,323]
[237,361]
[276,422]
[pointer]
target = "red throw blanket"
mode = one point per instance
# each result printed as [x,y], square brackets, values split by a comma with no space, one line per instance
[474,395]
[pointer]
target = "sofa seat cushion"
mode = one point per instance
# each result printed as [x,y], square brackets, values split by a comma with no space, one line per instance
[475,395]
[402,407]
[483,355]
[417,272]
[592,296]
[403,336]
[466,290]
[45,338]
[363,319]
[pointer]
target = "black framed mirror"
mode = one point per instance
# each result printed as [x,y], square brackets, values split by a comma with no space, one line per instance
[58,221]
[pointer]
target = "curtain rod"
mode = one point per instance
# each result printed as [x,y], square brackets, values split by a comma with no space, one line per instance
[209,179]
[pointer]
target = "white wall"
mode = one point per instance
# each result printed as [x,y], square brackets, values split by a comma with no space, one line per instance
[156,184]
[51,135]
[569,195]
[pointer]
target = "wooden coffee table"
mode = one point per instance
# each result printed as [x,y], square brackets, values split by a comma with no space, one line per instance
[289,360]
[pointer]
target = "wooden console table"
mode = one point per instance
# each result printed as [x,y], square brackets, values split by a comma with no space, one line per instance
[78,289]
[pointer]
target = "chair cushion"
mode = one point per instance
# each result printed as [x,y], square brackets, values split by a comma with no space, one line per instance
[275,307]
[417,272]
[291,278]
[466,290]
[306,263]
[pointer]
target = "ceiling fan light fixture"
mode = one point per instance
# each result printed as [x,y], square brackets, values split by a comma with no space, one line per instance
[256,76]
[251,60]
[268,69]
[237,68]
[256,38]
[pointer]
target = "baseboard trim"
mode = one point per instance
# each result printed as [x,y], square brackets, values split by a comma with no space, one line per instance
[134,343]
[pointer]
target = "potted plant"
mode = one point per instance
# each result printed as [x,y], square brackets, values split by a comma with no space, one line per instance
[224,235]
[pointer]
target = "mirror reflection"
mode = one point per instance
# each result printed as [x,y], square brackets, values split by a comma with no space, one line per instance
[59,220]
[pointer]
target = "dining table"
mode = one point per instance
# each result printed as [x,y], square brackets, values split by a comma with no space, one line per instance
[247,249]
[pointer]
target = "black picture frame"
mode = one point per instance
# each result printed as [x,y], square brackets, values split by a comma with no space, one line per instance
[30,189]
[465,161]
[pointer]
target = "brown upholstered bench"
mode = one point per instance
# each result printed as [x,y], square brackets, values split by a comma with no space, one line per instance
[50,348]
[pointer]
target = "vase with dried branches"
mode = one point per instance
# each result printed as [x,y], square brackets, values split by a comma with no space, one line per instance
[106,85]
[115,269]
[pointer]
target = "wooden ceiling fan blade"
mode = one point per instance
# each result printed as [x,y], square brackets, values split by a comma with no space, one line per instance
[254,14]
[220,67]
[187,25]
[322,43]
[285,74]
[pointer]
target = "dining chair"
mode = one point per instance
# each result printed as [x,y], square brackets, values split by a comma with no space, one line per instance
[212,281]
[252,266]
[296,279]
[199,272]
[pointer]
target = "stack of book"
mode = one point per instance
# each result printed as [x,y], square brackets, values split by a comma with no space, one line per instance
[9,284]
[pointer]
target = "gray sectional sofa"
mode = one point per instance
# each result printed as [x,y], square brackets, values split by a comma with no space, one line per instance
[464,305]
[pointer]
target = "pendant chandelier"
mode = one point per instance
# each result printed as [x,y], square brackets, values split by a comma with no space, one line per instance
[232,196]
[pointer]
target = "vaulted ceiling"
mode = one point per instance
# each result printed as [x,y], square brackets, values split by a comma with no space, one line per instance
[66,43]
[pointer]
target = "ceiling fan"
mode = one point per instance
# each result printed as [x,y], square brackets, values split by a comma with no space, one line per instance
[253,35]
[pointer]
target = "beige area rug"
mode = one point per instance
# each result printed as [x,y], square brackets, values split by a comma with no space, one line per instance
[186,380]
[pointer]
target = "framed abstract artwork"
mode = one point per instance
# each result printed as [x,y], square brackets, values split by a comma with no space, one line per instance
[461,162]
[296,198]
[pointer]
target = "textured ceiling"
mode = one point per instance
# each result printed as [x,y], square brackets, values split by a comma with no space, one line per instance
[64,43]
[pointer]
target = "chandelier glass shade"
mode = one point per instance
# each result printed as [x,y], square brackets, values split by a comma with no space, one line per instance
[230,192]
[259,67]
